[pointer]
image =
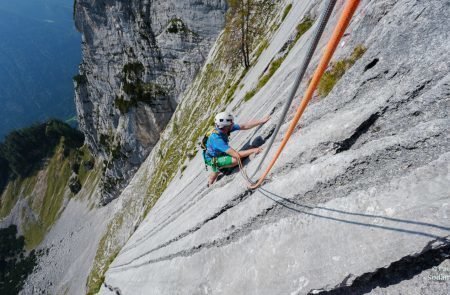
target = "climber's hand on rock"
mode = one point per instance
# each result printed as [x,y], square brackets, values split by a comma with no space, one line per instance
[257,150]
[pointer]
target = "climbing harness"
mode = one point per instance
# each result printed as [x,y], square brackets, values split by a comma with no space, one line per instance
[342,24]
[203,145]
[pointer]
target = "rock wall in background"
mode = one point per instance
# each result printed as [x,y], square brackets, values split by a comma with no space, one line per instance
[138,56]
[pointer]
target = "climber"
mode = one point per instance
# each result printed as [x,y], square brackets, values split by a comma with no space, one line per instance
[218,154]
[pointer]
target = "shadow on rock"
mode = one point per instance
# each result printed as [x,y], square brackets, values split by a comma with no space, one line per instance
[356,218]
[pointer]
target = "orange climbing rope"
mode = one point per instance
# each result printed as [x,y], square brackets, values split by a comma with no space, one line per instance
[342,24]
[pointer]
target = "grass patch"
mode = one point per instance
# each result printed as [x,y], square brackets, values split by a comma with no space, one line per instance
[58,175]
[29,184]
[91,182]
[96,279]
[87,164]
[302,28]
[337,70]
[106,253]
[33,233]
[248,95]
[286,11]
[10,197]
[264,44]
[16,188]
[48,206]
[273,68]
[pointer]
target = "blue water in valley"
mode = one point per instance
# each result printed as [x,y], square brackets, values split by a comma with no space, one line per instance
[39,54]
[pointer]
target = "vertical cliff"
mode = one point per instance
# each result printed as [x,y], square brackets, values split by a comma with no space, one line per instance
[357,203]
[138,56]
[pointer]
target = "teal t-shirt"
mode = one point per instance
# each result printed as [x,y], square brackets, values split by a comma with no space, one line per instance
[217,143]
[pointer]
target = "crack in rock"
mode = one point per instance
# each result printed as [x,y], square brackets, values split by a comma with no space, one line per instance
[172,217]
[433,254]
[234,236]
[372,170]
[346,144]
[371,64]
[234,202]
[175,214]
[116,290]
[428,147]
[352,179]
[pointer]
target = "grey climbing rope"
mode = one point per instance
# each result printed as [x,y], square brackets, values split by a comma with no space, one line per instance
[312,47]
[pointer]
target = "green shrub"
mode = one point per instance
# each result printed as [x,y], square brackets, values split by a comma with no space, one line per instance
[4,173]
[129,88]
[122,104]
[326,83]
[135,68]
[146,93]
[24,149]
[337,70]
[272,69]
[80,79]
[176,25]
[136,89]
[116,151]
[231,92]
[15,265]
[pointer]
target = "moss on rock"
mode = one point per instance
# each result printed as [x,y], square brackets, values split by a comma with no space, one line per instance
[337,70]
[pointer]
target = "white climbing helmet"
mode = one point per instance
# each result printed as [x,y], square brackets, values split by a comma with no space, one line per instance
[223,119]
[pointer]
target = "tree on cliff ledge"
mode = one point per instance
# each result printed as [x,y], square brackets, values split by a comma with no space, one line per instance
[243,28]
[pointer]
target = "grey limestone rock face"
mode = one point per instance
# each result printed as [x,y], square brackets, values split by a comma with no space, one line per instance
[138,57]
[358,202]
